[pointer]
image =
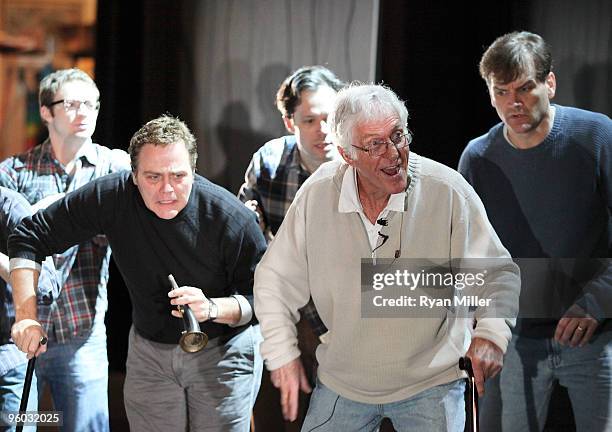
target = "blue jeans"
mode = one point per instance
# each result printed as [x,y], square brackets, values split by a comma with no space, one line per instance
[77,374]
[167,389]
[440,408]
[518,399]
[11,389]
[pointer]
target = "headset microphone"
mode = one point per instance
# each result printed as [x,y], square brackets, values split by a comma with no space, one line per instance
[384,222]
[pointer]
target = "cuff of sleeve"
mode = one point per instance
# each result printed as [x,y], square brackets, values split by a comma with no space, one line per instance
[495,330]
[246,311]
[20,263]
[591,306]
[282,360]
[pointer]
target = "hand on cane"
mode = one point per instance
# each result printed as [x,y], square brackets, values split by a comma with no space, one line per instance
[28,335]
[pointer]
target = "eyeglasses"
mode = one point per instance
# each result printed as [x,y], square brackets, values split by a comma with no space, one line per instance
[377,147]
[75,105]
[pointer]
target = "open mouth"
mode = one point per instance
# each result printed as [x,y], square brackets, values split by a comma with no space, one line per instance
[392,170]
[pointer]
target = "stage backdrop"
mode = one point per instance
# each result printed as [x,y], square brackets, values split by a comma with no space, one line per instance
[240,52]
[580,34]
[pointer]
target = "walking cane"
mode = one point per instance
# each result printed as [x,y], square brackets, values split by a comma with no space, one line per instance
[472,411]
[23,406]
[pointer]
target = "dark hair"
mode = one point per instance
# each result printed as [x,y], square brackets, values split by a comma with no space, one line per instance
[53,82]
[305,78]
[163,131]
[514,54]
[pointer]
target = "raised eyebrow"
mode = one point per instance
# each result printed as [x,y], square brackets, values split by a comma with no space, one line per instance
[529,82]
[396,128]
[369,138]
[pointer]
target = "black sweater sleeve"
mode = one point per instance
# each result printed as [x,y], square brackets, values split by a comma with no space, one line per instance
[242,251]
[77,217]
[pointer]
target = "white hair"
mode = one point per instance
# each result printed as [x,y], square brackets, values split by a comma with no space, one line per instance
[359,103]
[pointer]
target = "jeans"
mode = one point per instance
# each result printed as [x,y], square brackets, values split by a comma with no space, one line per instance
[167,389]
[440,408]
[77,374]
[11,389]
[518,399]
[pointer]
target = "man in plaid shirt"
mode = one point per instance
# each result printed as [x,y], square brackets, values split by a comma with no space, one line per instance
[76,365]
[282,165]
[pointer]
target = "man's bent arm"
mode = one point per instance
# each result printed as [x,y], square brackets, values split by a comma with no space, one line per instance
[27,331]
[281,288]
[476,244]
[241,255]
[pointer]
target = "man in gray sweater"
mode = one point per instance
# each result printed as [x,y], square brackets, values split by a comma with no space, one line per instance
[379,211]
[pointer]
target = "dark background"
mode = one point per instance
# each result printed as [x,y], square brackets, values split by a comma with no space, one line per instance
[428,53]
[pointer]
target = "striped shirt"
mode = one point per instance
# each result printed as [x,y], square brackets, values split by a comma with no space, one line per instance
[273,178]
[83,269]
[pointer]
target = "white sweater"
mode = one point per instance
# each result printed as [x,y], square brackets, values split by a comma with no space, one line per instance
[317,252]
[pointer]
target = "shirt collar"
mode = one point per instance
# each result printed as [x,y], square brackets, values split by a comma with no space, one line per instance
[349,198]
[295,162]
[87,150]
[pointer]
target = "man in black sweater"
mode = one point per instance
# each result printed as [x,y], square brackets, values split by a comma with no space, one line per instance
[163,219]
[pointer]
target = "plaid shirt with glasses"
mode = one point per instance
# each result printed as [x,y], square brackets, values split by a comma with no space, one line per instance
[273,178]
[82,269]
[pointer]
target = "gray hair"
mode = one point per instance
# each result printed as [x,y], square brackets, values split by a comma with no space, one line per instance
[359,103]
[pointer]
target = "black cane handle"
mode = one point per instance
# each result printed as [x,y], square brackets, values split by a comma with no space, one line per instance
[465,363]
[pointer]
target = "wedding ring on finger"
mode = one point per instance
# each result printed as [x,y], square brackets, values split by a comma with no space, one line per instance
[579,328]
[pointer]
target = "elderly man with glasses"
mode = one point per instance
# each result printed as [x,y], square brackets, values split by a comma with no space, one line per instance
[76,365]
[380,204]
